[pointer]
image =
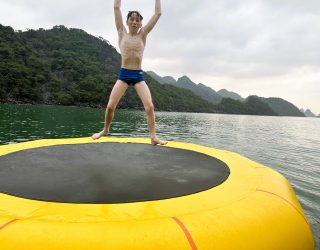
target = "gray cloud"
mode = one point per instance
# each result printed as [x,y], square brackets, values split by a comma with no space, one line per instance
[264,47]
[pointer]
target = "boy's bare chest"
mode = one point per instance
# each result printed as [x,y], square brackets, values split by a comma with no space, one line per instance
[131,43]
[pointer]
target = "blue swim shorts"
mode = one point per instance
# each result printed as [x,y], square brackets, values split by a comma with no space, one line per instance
[131,76]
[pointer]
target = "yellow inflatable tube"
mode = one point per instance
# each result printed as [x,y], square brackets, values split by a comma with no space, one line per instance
[255,208]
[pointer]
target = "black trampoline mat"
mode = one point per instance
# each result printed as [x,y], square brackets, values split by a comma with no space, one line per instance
[108,173]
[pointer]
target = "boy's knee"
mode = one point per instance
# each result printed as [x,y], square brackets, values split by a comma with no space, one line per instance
[111,107]
[149,107]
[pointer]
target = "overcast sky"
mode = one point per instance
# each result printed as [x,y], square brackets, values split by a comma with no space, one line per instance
[268,48]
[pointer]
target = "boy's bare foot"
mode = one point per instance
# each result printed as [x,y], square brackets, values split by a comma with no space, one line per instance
[100,134]
[155,141]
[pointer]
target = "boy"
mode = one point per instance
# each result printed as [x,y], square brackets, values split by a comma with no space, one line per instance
[132,45]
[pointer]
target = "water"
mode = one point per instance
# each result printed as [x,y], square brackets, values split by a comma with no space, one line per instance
[290,145]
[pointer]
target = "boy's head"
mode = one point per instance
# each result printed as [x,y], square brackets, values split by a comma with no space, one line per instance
[134,13]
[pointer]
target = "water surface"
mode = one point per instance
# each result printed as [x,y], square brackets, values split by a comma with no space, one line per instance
[290,145]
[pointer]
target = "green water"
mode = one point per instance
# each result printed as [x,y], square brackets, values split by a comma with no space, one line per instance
[290,145]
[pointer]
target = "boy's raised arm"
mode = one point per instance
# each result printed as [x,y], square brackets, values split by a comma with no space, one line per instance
[154,19]
[117,14]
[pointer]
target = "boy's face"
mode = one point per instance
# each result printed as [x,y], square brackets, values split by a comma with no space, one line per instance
[134,21]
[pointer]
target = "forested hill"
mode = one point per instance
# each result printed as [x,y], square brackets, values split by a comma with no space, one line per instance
[282,107]
[55,66]
[70,67]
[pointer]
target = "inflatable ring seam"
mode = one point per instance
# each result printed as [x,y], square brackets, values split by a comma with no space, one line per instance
[286,201]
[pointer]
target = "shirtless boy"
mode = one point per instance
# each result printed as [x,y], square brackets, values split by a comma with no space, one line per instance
[132,45]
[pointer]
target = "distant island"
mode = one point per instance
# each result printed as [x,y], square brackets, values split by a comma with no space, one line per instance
[67,66]
[308,113]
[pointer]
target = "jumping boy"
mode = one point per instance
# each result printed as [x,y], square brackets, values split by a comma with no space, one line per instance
[132,45]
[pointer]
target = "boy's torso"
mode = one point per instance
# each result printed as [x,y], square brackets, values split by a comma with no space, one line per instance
[131,47]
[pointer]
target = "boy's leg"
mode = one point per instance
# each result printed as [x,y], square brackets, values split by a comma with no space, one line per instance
[145,96]
[117,92]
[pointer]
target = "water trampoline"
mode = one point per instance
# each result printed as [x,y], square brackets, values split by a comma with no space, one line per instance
[120,193]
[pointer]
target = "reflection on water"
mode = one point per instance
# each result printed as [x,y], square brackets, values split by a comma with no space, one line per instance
[290,145]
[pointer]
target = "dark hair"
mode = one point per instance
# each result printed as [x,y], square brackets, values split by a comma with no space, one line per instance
[130,13]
